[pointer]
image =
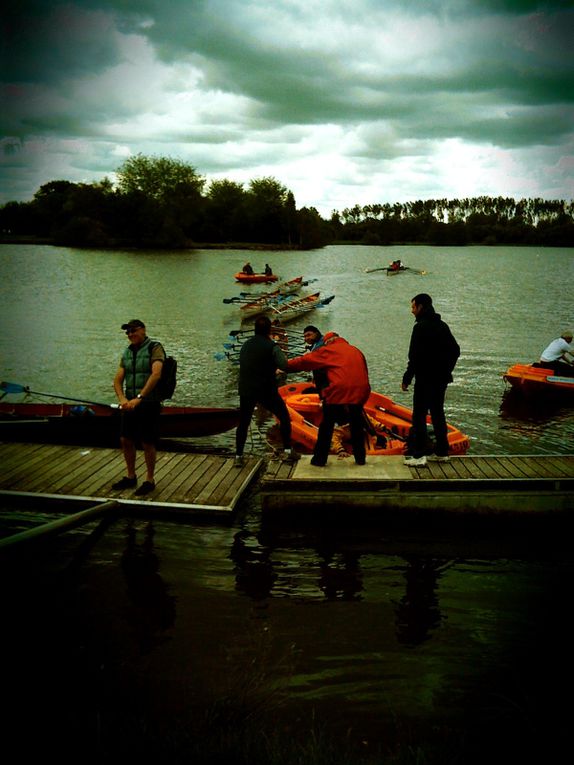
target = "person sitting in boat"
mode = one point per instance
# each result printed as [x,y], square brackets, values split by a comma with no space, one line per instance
[268,270]
[396,265]
[559,355]
[248,268]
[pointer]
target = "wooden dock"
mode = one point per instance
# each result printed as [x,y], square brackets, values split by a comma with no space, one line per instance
[197,485]
[465,486]
[186,483]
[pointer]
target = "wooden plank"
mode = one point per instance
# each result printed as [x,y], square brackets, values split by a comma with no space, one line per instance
[83,473]
[501,471]
[11,454]
[463,467]
[196,480]
[485,468]
[231,480]
[39,465]
[512,466]
[173,484]
[55,473]
[535,468]
[26,460]
[564,466]
[100,483]
[169,470]
[189,476]
[198,491]
[221,468]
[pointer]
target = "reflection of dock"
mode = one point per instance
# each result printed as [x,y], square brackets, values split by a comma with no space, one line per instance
[187,483]
[499,485]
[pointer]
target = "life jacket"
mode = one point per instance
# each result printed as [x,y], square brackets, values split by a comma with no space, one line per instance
[137,364]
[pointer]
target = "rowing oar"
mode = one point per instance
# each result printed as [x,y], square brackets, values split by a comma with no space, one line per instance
[371,270]
[8,387]
[235,300]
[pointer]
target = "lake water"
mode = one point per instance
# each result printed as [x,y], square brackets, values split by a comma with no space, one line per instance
[387,640]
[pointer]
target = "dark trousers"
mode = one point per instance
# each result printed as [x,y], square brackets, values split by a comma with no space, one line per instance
[142,423]
[340,413]
[429,397]
[273,403]
[561,369]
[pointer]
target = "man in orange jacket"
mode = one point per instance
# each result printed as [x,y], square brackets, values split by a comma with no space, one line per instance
[344,396]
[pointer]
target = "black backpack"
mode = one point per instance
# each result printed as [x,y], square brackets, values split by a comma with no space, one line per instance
[168,380]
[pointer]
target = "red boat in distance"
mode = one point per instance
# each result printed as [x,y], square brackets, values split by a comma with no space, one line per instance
[244,278]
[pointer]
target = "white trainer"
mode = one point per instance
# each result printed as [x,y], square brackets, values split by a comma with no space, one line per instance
[415,461]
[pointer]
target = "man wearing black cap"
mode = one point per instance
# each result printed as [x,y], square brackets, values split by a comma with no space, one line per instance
[312,337]
[313,340]
[137,376]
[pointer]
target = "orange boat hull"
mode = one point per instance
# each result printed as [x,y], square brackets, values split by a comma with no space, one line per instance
[533,380]
[255,278]
[305,412]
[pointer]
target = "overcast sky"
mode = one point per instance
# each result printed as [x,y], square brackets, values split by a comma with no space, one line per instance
[344,102]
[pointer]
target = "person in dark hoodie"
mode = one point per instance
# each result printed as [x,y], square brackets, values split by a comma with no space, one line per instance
[433,353]
[259,359]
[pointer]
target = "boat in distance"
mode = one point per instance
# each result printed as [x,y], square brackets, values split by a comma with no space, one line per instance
[265,302]
[292,307]
[241,276]
[100,424]
[535,380]
[389,421]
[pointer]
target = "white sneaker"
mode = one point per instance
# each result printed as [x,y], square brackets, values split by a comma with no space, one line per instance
[438,458]
[239,461]
[415,461]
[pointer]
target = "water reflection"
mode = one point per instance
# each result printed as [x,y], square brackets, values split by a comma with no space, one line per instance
[340,574]
[542,424]
[254,573]
[418,613]
[334,572]
[153,609]
[532,409]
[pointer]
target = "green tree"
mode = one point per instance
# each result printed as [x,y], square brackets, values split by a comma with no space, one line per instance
[159,178]
[176,189]
[265,210]
[224,212]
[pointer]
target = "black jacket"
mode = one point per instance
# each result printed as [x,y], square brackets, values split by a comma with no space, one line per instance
[259,358]
[433,351]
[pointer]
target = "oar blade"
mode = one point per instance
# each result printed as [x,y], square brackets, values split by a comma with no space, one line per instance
[9,387]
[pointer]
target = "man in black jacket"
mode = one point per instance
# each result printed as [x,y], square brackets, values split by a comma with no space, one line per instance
[433,353]
[259,359]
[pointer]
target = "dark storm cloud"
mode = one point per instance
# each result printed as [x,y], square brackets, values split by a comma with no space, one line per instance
[258,87]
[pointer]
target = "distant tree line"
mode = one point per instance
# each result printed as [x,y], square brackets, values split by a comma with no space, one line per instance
[160,202]
[478,220]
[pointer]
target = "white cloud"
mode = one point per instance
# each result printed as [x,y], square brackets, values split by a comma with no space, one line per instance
[343,102]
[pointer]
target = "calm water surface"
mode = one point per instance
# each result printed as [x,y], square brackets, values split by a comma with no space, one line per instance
[378,635]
